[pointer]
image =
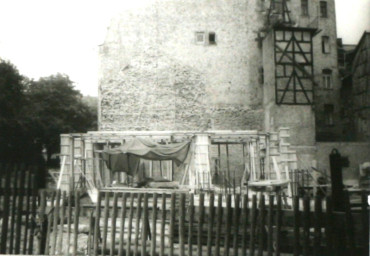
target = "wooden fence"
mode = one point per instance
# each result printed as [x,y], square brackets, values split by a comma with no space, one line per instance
[57,223]
[188,224]
[18,205]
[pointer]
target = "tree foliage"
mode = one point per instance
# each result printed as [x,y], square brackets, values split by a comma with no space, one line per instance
[35,113]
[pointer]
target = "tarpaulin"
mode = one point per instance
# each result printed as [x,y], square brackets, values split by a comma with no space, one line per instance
[126,158]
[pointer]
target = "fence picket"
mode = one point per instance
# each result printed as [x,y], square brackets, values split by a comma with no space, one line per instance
[113,224]
[75,221]
[191,221]
[270,221]
[163,224]
[43,222]
[200,224]
[210,223]
[6,211]
[97,220]
[227,224]
[278,225]
[27,210]
[128,245]
[137,223]
[261,237]
[13,209]
[296,247]
[62,212]
[105,223]
[365,223]
[55,212]
[122,227]
[145,225]
[317,232]
[154,226]
[252,229]
[172,222]
[69,221]
[50,224]
[306,226]
[244,225]
[236,223]
[182,225]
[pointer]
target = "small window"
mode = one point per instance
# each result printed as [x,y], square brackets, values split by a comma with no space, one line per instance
[326,79]
[200,38]
[329,114]
[212,38]
[304,7]
[323,9]
[205,38]
[325,44]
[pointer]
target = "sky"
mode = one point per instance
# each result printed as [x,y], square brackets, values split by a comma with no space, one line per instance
[46,37]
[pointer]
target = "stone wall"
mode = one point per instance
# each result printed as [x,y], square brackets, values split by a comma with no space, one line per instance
[154,76]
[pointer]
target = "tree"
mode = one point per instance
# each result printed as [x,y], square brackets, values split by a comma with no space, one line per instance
[13,132]
[55,107]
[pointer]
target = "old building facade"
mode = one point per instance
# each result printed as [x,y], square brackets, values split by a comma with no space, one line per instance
[211,65]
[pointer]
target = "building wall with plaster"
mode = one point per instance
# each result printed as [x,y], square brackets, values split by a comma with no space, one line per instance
[155,76]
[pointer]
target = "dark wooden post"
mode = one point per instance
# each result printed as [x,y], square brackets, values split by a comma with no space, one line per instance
[336,180]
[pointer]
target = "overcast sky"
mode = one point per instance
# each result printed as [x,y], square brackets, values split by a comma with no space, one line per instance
[45,37]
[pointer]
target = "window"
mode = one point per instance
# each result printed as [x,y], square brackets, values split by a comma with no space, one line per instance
[212,38]
[205,38]
[199,37]
[325,44]
[304,7]
[329,111]
[326,79]
[323,9]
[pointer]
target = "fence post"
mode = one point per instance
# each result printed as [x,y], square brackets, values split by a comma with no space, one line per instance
[349,225]
[336,180]
[329,226]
